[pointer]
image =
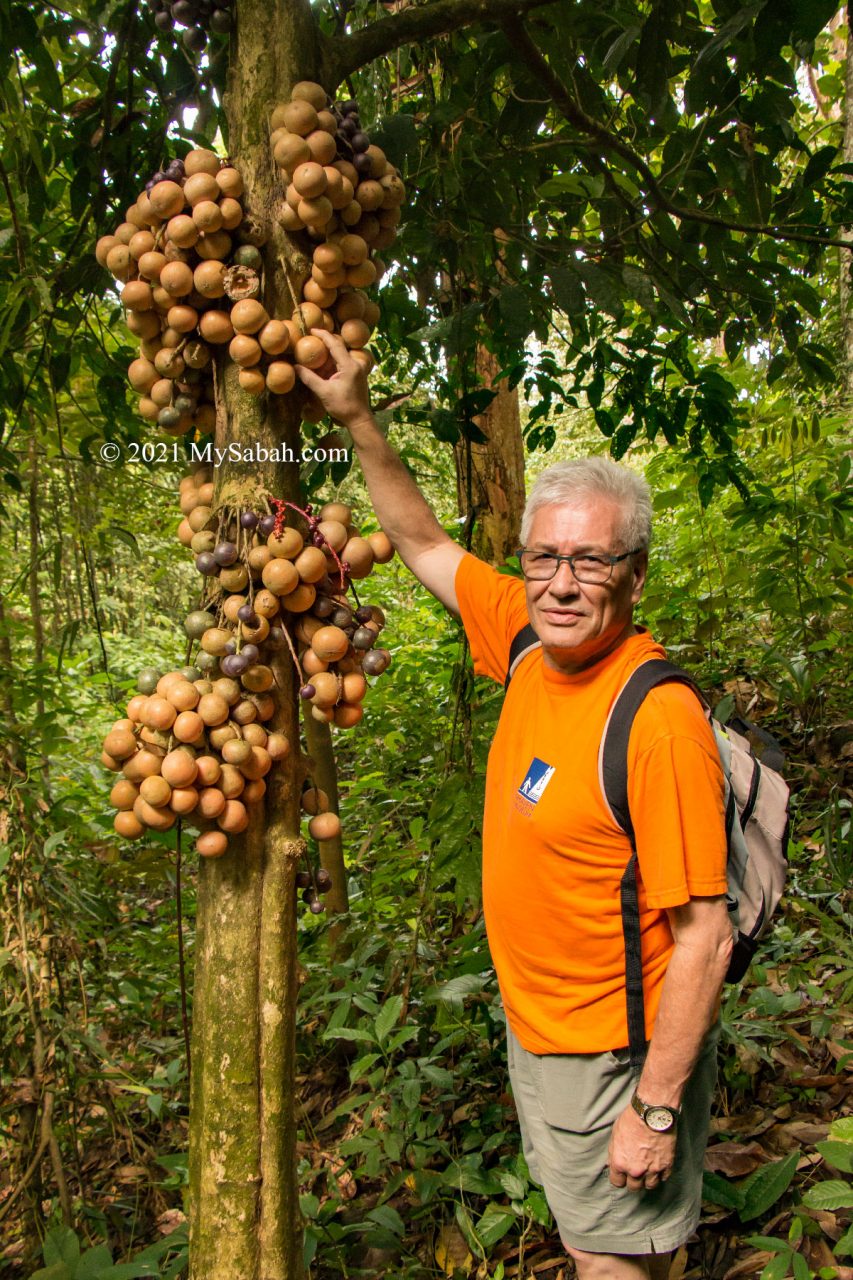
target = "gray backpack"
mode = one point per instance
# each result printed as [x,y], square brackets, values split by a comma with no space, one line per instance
[756,824]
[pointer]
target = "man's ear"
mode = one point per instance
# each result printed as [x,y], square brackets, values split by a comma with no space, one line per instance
[640,563]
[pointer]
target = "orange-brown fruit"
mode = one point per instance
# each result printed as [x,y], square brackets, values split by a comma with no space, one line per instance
[237,577]
[334,533]
[290,151]
[326,689]
[211,802]
[297,117]
[123,794]
[277,746]
[280,377]
[322,146]
[167,199]
[274,337]
[201,187]
[315,213]
[381,546]
[104,245]
[354,687]
[252,381]
[325,826]
[216,327]
[315,800]
[230,182]
[182,231]
[201,160]
[311,664]
[300,599]
[213,709]
[330,643]
[120,262]
[244,350]
[155,791]
[128,825]
[232,213]
[207,215]
[310,180]
[280,577]
[353,249]
[311,564]
[142,374]
[120,744]
[177,279]
[179,768]
[265,602]
[232,781]
[188,726]
[214,244]
[212,844]
[346,716]
[311,352]
[234,817]
[184,800]
[355,333]
[248,316]
[362,275]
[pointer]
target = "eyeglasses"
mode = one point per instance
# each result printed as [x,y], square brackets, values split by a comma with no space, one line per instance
[540,566]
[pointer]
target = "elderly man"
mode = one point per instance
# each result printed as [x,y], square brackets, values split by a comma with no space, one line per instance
[620,1157]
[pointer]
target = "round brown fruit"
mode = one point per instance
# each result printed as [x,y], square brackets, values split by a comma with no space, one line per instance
[212,844]
[280,377]
[330,643]
[248,316]
[310,91]
[280,577]
[346,716]
[381,546]
[127,825]
[325,826]
[274,337]
[252,381]
[179,768]
[315,800]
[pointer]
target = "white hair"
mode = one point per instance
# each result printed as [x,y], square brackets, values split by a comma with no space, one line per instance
[571,484]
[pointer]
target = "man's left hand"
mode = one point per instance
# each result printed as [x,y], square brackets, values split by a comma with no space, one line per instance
[638,1157]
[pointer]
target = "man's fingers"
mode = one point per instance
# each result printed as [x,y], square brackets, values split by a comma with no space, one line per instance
[309,377]
[334,342]
[617,1177]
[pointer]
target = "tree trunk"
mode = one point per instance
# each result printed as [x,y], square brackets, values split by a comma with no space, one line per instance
[845,255]
[244,1217]
[318,737]
[490,476]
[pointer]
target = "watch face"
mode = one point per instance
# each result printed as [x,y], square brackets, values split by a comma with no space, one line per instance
[659,1118]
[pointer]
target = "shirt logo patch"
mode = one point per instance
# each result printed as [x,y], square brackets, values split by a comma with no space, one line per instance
[538,775]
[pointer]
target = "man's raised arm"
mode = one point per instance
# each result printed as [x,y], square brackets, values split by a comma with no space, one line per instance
[401,508]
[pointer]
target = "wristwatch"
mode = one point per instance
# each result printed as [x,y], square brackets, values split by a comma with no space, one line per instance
[660,1119]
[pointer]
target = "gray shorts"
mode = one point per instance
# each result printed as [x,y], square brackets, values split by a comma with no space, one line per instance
[567,1104]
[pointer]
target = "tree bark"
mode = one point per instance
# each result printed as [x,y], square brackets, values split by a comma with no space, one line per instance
[244,1216]
[490,476]
[846,255]
[318,737]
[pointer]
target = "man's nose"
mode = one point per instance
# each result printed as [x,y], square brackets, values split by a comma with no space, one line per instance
[564,582]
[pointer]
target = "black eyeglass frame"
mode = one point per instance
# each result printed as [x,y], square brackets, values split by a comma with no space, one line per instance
[570,561]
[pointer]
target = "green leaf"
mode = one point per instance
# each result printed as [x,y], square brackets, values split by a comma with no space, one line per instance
[384,1216]
[387,1018]
[719,1190]
[832,1194]
[842,1128]
[61,1245]
[837,1153]
[349,1033]
[98,1262]
[495,1222]
[764,1187]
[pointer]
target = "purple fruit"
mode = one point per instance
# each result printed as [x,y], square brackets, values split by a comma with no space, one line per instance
[342,617]
[374,662]
[360,141]
[221,22]
[206,564]
[318,539]
[163,22]
[307,692]
[363,613]
[183,11]
[349,106]
[248,519]
[308,894]
[234,664]
[361,163]
[231,647]
[225,553]
[363,638]
[348,128]
[251,653]
[316,907]
[303,879]
[195,39]
[266,524]
[323,607]
[324,880]
[247,614]
[159,176]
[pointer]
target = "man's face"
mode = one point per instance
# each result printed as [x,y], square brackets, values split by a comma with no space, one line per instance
[580,622]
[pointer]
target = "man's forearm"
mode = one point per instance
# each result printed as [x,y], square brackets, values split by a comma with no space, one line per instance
[688,1008]
[400,506]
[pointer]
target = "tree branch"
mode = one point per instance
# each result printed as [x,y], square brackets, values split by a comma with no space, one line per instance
[575,114]
[344,54]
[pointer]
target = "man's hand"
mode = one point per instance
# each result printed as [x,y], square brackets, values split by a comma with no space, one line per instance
[343,393]
[638,1157]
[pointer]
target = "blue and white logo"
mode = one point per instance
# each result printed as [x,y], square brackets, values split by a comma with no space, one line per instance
[536,780]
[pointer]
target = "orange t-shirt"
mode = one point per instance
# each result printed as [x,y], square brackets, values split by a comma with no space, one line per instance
[553,856]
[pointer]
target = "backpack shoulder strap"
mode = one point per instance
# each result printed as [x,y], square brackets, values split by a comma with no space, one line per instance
[613,752]
[524,642]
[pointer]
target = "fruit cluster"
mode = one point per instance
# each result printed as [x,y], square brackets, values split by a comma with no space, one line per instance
[346,196]
[198,18]
[194,743]
[170,256]
[188,290]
